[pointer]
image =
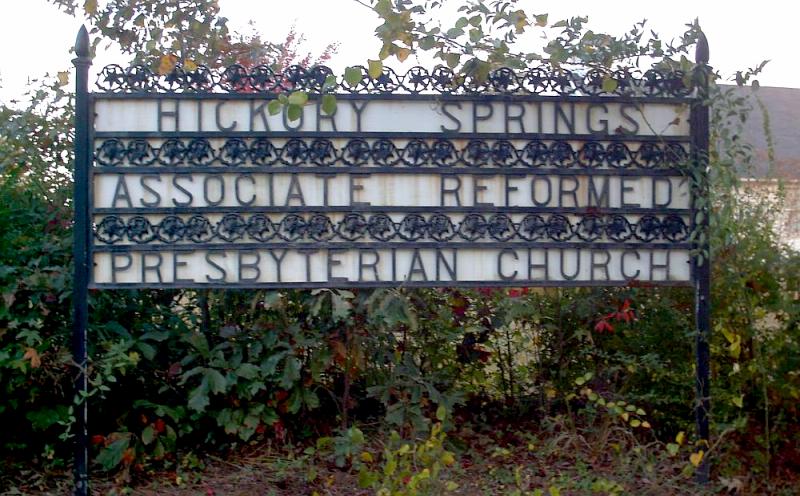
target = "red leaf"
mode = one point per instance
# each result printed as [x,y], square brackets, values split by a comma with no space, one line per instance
[128,456]
[159,426]
[603,326]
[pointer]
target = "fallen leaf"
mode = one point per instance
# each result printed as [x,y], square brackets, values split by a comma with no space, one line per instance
[733,484]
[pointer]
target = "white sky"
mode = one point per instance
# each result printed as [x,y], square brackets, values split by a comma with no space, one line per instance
[36,36]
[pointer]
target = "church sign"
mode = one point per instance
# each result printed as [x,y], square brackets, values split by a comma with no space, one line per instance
[535,177]
[528,179]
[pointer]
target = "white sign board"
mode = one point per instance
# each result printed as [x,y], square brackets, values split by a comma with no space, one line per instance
[210,190]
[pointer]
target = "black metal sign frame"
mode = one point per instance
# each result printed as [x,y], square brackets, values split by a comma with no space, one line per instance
[512,231]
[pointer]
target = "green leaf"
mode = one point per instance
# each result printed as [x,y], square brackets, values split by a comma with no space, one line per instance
[274,107]
[111,455]
[270,364]
[610,84]
[329,104]
[157,336]
[298,98]
[159,451]
[427,42]
[294,402]
[310,399]
[356,436]
[441,413]
[198,397]
[340,306]
[475,35]
[294,112]
[148,434]
[269,416]
[330,82]
[216,381]
[199,343]
[452,59]
[386,50]
[247,371]
[148,351]
[454,32]
[45,418]
[366,478]
[398,310]
[291,372]
[390,467]
[271,299]
[375,68]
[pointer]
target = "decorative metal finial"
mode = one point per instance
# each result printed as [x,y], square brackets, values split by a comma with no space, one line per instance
[82,43]
[701,51]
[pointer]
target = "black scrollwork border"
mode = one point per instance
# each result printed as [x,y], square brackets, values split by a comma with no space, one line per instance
[382,228]
[358,152]
[439,80]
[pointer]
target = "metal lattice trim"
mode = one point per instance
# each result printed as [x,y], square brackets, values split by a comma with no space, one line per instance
[382,228]
[358,152]
[440,80]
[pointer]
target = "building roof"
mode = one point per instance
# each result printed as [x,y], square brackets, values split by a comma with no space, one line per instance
[782,107]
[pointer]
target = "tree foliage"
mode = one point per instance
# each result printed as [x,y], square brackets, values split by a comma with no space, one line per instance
[185,33]
[486,35]
[191,31]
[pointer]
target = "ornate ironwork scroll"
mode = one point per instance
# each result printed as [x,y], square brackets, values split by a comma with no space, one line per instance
[324,152]
[440,80]
[437,227]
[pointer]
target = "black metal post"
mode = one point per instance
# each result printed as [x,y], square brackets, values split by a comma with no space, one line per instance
[702,259]
[80,253]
